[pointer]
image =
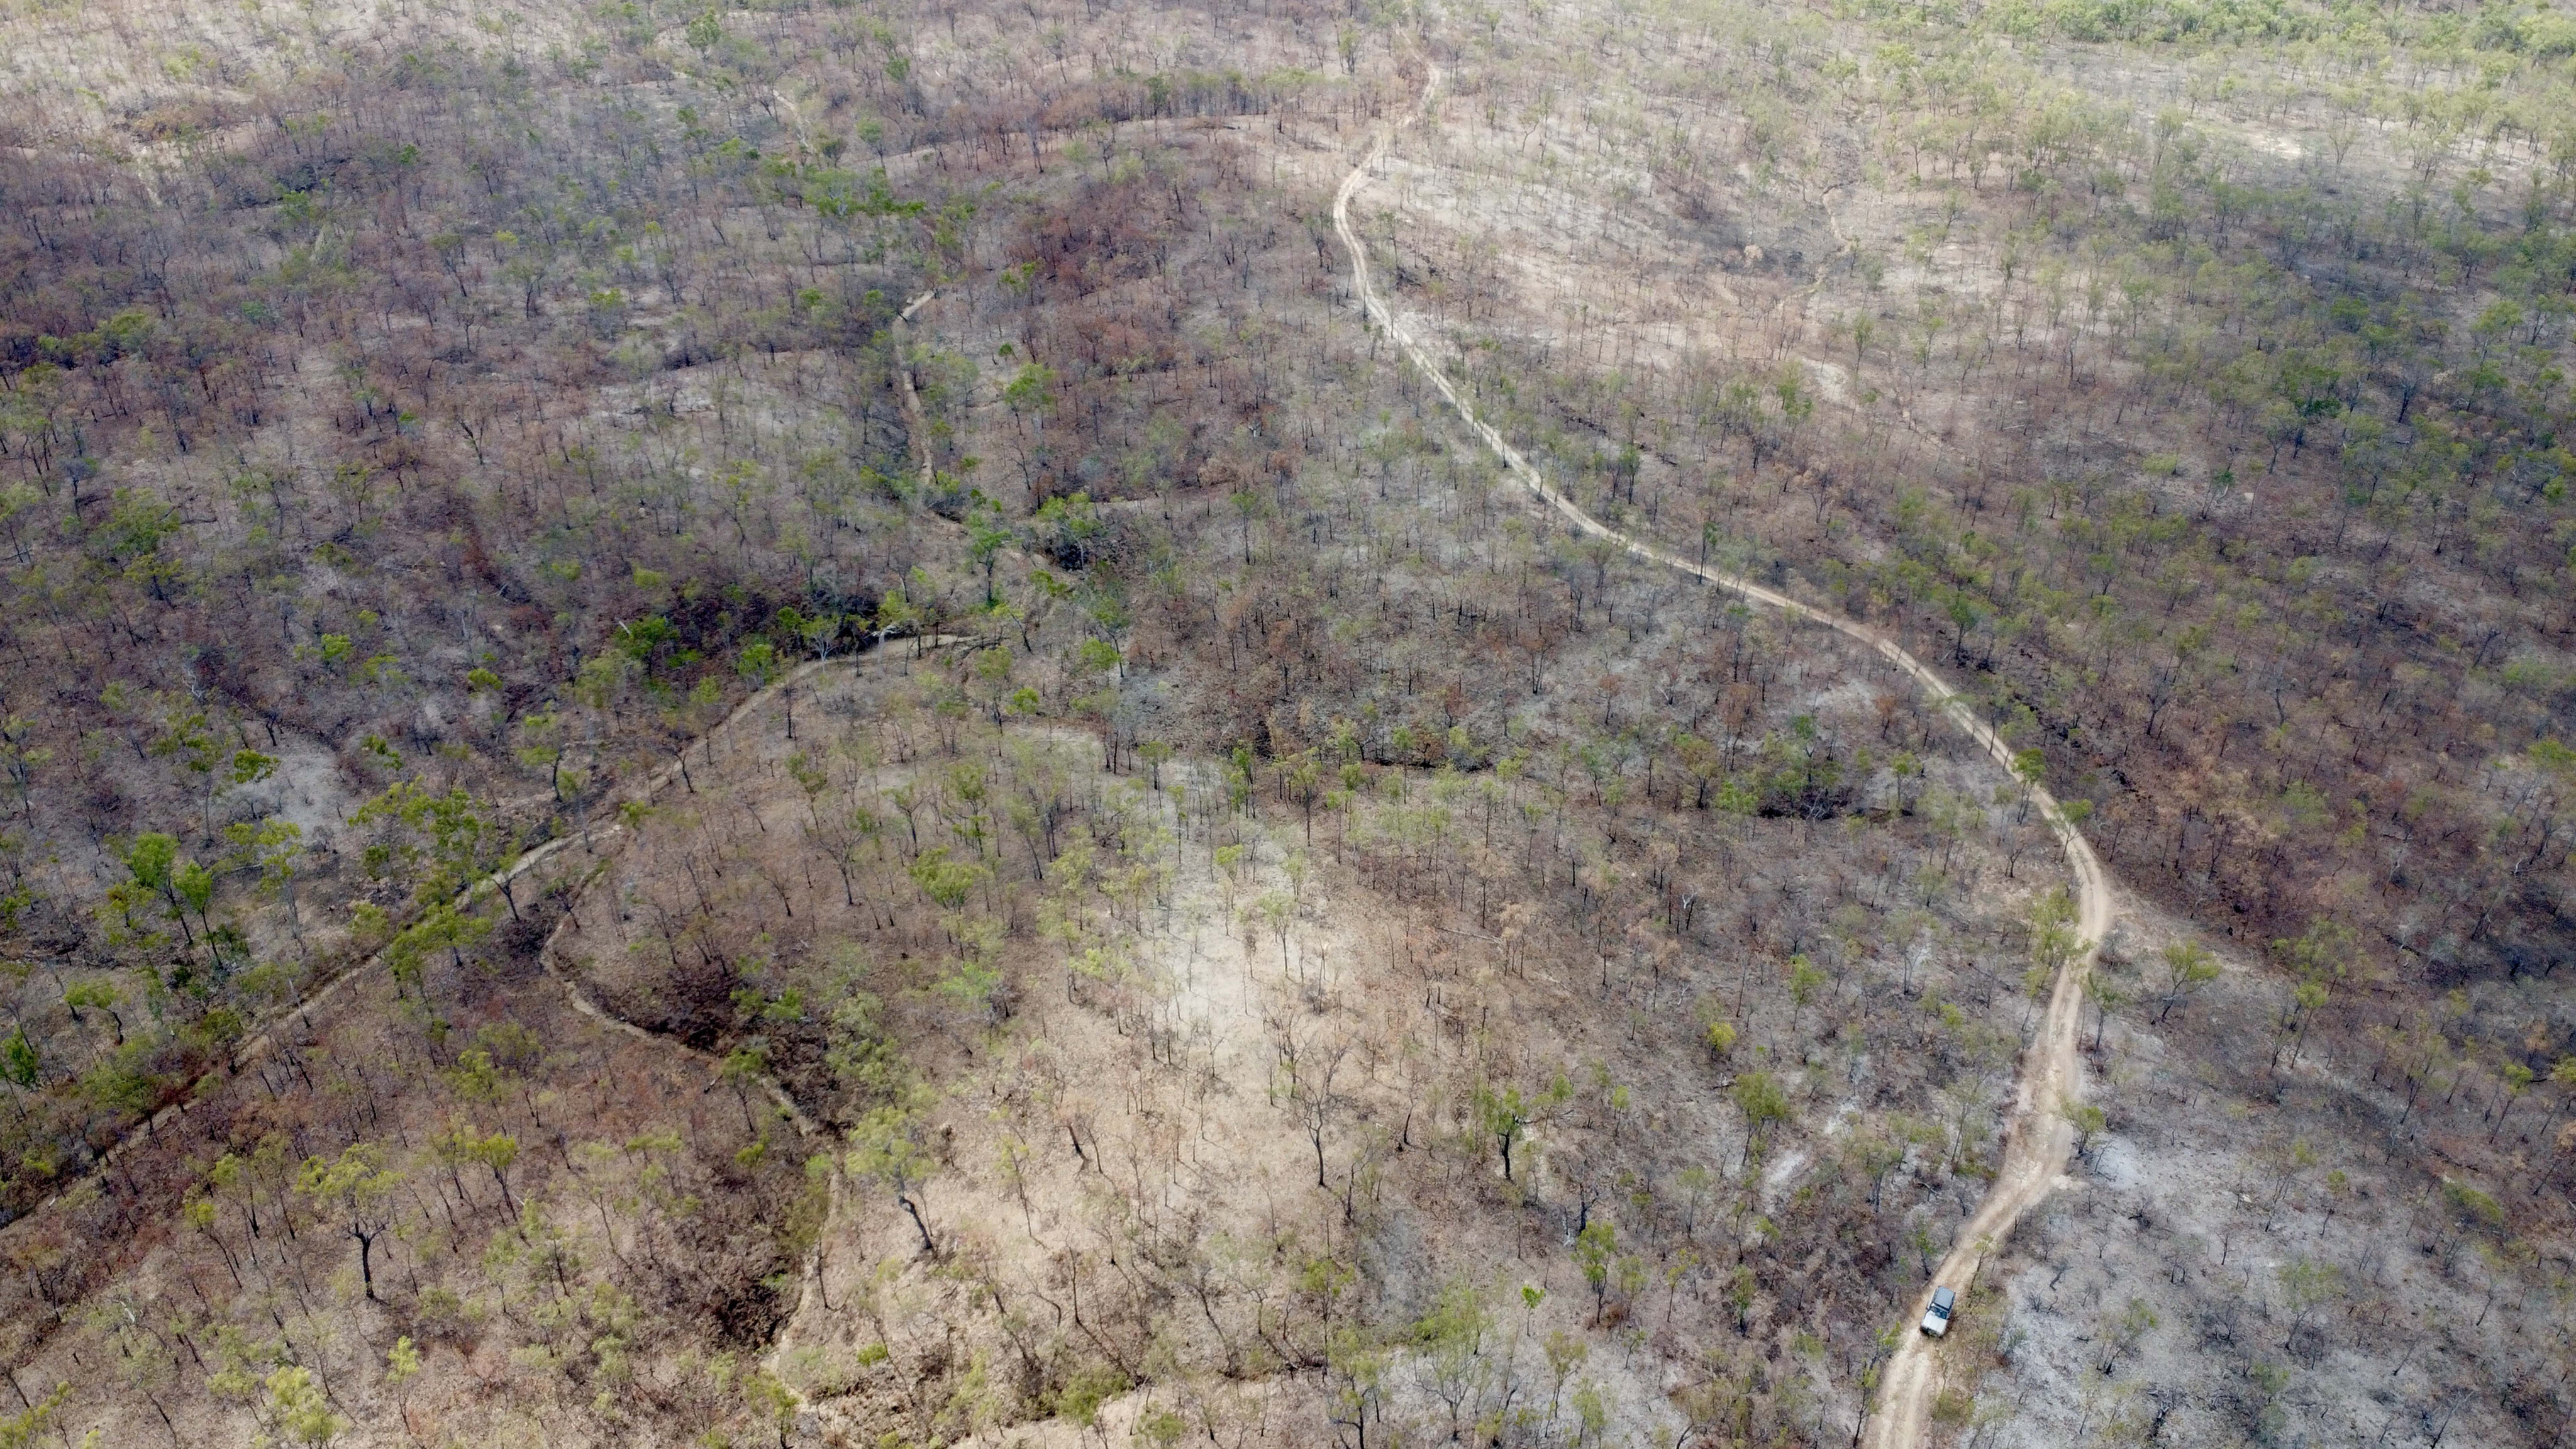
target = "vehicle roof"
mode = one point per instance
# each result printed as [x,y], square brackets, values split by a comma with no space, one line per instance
[1944,1295]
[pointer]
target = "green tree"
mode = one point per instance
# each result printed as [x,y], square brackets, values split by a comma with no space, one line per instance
[2107,998]
[98,994]
[2029,767]
[296,1407]
[464,1143]
[20,1431]
[449,837]
[887,1148]
[273,847]
[1278,911]
[358,1189]
[20,1062]
[2186,966]
[947,882]
[1356,1365]
[1451,1339]
[898,614]
[1596,1251]
[542,746]
[1504,1114]
[2054,945]
[987,538]
[975,979]
[1720,1038]
[442,928]
[1760,1098]
[402,1365]
[2087,1120]
[155,865]
[2306,999]
[2307,1285]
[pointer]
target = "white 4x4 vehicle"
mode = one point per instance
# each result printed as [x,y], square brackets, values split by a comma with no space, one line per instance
[1936,1319]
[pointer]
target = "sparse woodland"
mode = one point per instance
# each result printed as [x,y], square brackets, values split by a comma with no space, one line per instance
[2198,408]
[787,734]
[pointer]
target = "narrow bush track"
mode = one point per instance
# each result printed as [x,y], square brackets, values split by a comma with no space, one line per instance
[810,1132]
[601,841]
[2038,1137]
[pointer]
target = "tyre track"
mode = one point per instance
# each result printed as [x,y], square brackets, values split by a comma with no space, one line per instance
[2038,1138]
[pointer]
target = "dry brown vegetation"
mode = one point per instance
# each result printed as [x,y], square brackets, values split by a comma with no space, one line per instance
[458,1164]
[2199,415]
[1099,1049]
[1159,1093]
[415,428]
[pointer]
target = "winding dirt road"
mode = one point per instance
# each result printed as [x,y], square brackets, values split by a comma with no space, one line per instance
[2038,1137]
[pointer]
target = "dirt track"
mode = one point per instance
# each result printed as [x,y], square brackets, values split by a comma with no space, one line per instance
[299,1017]
[2038,1138]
